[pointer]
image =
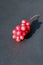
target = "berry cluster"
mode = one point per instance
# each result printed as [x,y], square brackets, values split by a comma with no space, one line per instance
[21,31]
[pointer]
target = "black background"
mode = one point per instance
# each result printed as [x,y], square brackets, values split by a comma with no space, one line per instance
[29,51]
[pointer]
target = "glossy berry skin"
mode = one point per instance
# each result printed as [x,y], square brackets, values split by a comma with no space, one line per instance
[23,28]
[18,39]
[23,21]
[14,36]
[14,31]
[18,27]
[28,23]
[18,33]
[21,37]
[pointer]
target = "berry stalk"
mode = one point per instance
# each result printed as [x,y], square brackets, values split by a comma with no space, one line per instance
[37,15]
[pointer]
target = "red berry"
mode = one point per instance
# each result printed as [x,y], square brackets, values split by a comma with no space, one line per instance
[23,21]
[18,27]
[18,39]
[28,27]
[18,33]
[14,31]
[28,24]
[22,37]
[23,28]
[14,36]
[24,33]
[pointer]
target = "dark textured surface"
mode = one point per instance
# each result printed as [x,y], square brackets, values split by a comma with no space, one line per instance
[30,51]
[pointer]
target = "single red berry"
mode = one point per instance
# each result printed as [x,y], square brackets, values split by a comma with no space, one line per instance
[21,37]
[14,36]
[28,23]
[18,39]
[14,31]
[18,27]
[23,21]
[18,33]
[23,28]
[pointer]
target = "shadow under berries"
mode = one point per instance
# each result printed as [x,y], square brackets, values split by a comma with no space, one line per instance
[34,26]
